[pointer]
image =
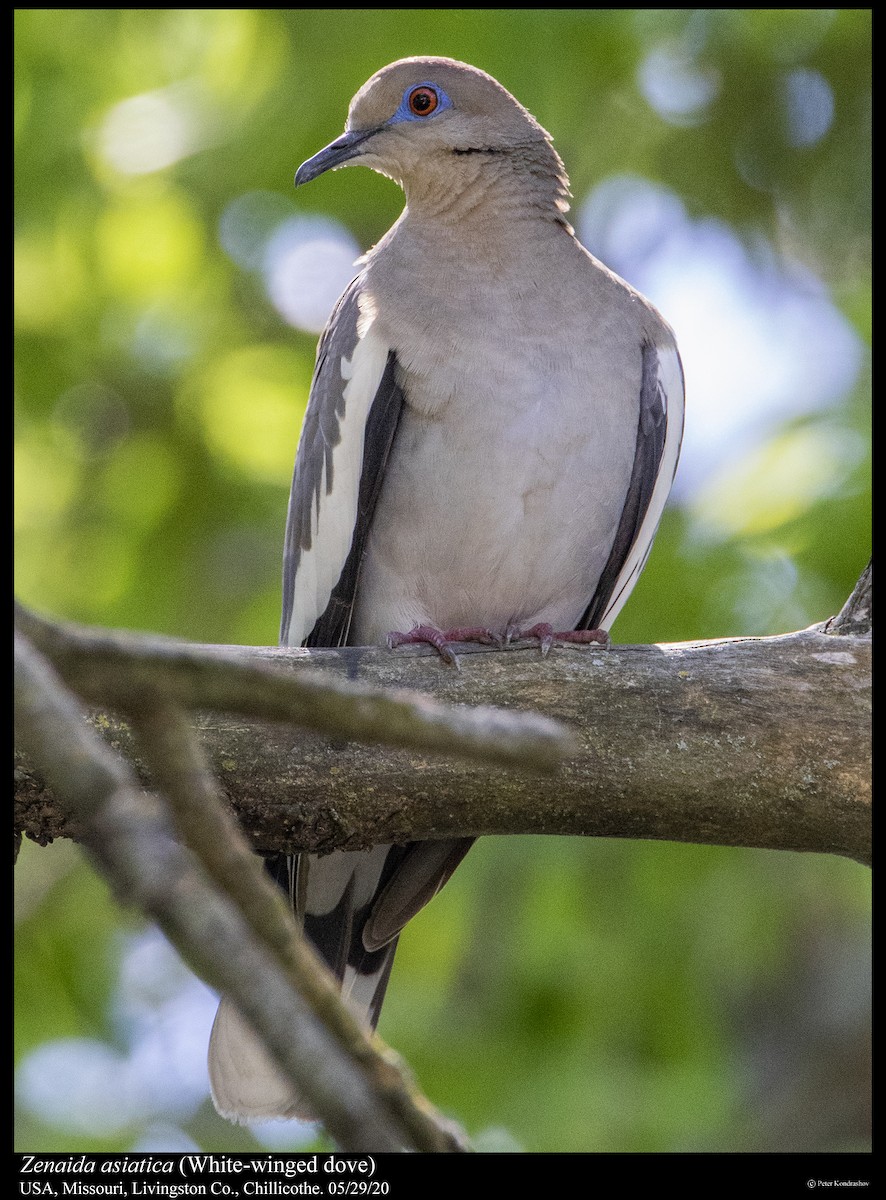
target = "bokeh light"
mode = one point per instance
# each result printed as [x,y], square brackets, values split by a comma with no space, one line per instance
[146,133]
[675,85]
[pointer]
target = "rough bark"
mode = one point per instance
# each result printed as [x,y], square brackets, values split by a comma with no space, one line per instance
[744,741]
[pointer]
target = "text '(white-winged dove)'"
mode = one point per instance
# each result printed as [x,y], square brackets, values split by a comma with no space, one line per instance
[492,432]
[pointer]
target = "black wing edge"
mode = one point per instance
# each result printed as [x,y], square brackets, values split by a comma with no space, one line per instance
[333,624]
[651,431]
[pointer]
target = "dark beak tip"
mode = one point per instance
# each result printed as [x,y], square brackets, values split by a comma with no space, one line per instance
[336,154]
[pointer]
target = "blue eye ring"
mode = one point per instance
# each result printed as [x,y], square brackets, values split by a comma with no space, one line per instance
[421,101]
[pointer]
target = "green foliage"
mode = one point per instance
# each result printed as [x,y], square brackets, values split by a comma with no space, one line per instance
[563,995]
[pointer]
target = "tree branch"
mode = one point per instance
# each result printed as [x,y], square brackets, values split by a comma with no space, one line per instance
[745,742]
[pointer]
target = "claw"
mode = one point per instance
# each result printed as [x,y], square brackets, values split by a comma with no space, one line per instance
[440,639]
[428,634]
[545,634]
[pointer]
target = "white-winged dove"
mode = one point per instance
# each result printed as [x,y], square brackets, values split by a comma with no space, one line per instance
[492,432]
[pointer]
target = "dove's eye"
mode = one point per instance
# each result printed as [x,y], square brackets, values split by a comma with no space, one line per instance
[423,101]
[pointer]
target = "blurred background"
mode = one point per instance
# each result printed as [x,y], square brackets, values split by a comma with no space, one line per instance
[560,994]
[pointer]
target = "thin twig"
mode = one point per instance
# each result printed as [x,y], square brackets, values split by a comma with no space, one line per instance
[855,617]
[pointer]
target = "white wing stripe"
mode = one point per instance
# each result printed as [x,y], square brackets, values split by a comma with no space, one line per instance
[334,515]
